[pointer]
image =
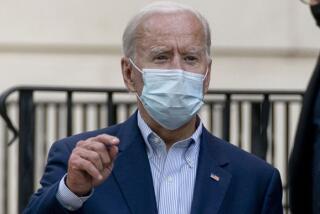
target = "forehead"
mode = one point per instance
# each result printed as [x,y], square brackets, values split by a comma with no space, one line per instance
[175,27]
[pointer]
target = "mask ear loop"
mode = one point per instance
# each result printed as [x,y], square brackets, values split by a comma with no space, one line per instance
[138,69]
[205,76]
[135,66]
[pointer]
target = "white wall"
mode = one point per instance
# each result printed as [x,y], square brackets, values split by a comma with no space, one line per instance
[256,43]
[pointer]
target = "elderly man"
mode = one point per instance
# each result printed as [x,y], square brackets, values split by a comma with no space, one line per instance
[304,171]
[162,159]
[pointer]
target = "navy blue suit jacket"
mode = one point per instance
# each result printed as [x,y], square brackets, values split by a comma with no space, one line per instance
[247,184]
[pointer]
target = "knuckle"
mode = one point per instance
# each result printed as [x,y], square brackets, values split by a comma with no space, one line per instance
[73,157]
[80,143]
[105,135]
[96,156]
[75,150]
[97,146]
[86,165]
[108,159]
[74,164]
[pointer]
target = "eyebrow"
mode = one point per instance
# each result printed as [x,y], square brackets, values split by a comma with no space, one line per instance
[195,50]
[188,50]
[159,49]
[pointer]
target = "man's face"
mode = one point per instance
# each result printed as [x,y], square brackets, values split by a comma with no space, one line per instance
[171,41]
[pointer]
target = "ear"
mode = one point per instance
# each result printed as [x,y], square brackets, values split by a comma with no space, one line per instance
[127,74]
[208,77]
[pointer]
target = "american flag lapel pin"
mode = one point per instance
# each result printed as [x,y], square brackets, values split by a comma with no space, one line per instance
[215,177]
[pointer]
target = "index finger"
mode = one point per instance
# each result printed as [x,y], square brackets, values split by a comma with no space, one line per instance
[107,140]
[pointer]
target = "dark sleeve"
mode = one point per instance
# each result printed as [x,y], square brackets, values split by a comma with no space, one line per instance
[301,158]
[273,198]
[44,200]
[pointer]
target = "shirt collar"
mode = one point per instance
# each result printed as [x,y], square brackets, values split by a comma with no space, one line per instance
[191,144]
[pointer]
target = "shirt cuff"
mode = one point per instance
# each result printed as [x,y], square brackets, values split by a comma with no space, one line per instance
[68,199]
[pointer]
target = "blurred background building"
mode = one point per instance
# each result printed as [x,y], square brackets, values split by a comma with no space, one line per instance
[257,45]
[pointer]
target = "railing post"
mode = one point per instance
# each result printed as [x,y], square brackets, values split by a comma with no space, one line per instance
[226,118]
[69,113]
[112,113]
[26,147]
[260,119]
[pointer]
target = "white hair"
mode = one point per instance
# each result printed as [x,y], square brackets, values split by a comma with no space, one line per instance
[129,35]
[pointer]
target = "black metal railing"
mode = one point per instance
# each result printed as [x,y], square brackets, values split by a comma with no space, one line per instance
[261,122]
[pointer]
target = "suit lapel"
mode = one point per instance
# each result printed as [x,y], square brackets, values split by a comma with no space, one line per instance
[133,174]
[212,179]
[132,170]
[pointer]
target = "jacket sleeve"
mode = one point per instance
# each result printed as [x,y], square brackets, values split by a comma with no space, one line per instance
[273,198]
[44,200]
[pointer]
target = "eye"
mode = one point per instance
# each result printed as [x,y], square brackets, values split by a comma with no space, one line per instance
[161,58]
[191,59]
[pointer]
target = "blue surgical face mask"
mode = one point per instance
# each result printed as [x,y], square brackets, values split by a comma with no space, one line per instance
[171,96]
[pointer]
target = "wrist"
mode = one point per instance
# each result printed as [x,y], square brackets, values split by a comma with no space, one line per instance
[80,192]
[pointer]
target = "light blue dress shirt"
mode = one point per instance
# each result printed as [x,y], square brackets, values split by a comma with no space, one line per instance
[173,172]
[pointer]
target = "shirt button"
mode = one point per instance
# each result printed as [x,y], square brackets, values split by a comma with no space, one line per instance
[170,179]
[157,140]
[154,139]
[189,163]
